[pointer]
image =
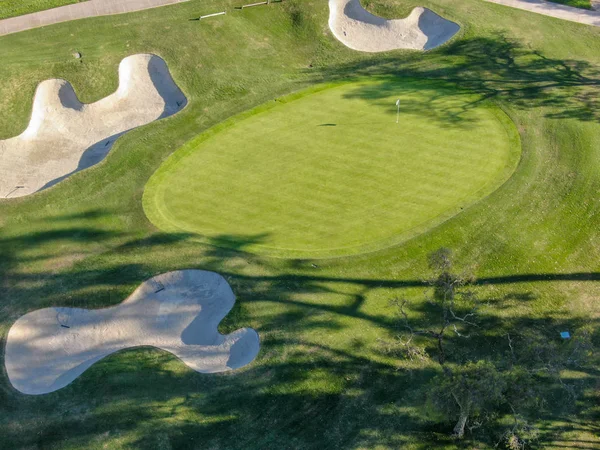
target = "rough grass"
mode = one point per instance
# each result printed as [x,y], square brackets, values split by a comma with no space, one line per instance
[13,8]
[328,173]
[323,379]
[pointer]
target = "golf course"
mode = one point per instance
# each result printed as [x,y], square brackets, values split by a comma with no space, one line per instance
[290,243]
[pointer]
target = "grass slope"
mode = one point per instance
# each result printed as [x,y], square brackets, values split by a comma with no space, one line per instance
[13,8]
[322,379]
[329,173]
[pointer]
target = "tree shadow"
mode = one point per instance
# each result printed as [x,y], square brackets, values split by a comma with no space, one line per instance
[494,68]
[306,389]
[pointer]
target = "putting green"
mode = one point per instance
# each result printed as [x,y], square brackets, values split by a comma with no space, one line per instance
[328,172]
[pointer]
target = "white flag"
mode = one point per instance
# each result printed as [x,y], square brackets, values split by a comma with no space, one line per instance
[398,102]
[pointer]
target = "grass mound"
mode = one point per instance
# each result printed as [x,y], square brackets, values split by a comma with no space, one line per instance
[329,172]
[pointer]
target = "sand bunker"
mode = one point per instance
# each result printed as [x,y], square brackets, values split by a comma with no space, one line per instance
[360,30]
[177,311]
[65,136]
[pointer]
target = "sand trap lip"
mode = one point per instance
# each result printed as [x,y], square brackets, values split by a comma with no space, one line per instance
[65,136]
[176,311]
[360,30]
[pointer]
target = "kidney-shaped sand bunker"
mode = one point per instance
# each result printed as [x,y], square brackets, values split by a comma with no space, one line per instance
[360,30]
[329,172]
[177,311]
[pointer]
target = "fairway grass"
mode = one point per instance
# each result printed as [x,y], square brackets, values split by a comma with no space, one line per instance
[325,376]
[583,4]
[329,172]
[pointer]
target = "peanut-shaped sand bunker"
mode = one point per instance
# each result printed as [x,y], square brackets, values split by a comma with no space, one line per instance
[177,311]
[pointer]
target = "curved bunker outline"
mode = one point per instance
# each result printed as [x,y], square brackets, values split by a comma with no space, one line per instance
[360,30]
[65,136]
[178,312]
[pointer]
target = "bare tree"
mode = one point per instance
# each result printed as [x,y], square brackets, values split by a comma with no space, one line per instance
[457,305]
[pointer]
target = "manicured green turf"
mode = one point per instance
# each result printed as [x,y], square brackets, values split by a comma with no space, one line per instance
[583,4]
[12,8]
[324,377]
[330,172]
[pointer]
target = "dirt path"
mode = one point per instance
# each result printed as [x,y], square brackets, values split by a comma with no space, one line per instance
[554,10]
[76,11]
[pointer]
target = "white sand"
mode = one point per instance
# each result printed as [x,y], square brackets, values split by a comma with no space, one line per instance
[360,30]
[65,136]
[42,355]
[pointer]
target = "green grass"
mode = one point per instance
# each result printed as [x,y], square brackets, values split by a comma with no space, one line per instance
[330,172]
[323,378]
[583,4]
[13,8]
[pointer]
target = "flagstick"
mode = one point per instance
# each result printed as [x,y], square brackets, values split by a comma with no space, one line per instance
[398,112]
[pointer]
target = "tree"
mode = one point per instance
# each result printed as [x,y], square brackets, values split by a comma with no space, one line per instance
[466,391]
[517,384]
[456,304]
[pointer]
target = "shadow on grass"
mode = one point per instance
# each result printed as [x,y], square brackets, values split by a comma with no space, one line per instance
[495,68]
[317,382]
